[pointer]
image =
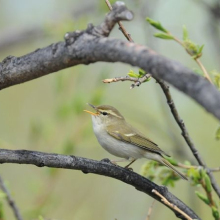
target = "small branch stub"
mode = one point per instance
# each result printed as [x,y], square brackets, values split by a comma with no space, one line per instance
[174,207]
[138,81]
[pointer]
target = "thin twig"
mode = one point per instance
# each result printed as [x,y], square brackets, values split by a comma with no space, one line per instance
[186,166]
[120,78]
[165,201]
[138,81]
[186,136]
[121,27]
[10,200]
[206,74]
[203,70]
[217,169]
[150,210]
[185,133]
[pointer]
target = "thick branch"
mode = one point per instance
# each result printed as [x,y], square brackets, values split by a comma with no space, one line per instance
[90,46]
[105,168]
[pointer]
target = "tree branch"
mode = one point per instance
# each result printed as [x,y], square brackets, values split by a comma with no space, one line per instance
[165,201]
[173,109]
[10,200]
[186,135]
[137,81]
[104,167]
[92,45]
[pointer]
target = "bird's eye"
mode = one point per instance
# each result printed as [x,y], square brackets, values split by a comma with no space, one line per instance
[104,113]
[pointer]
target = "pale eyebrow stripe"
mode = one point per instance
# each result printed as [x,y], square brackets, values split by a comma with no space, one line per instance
[110,112]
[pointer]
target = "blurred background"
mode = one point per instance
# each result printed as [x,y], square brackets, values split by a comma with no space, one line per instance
[47,115]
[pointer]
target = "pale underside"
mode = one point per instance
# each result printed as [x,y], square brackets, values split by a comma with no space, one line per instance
[124,141]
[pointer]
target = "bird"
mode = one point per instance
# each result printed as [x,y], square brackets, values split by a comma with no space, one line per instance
[122,140]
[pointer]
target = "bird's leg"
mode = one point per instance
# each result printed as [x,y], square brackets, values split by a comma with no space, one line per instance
[127,167]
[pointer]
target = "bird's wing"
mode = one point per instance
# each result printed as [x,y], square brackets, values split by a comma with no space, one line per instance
[128,134]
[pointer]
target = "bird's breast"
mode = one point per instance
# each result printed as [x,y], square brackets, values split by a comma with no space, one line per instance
[113,145]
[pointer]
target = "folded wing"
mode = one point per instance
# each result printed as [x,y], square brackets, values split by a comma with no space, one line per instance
[128,134]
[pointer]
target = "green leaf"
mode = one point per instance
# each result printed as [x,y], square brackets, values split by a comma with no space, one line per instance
[190,47]
[164,36]
[217,133]
[203,173]
[193,49]
[133,74]
[201,48]
[215,213]
[168,177]
[185,33]
[194,174]
[156,24]
[208,183]
[148,169]
[141,72]
[148,79]
[202,197]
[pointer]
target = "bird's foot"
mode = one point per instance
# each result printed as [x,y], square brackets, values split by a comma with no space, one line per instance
[106,160]
[128,168]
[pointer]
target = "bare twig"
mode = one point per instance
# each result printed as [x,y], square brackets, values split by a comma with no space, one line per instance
[10,200]
[186,166]
[203,70]
[121,27]
[217,169]
[138,81]
[120,78]
[206,74]
[185,133]
[150,210]
[186,136]
[141,80]
[174,207]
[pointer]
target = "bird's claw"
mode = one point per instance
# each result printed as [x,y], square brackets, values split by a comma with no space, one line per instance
[106,160]
[128,168]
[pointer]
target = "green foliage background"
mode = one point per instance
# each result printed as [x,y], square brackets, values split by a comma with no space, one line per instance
[47,115]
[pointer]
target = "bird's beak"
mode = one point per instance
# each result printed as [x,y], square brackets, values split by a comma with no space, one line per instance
[92,113]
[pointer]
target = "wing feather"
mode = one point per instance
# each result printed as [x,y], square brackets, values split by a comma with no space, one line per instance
[128,134]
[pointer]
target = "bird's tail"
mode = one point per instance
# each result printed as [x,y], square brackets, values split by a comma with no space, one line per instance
[169,165]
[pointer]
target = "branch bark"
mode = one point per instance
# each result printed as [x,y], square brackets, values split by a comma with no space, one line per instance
[92,45]
[104,168]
